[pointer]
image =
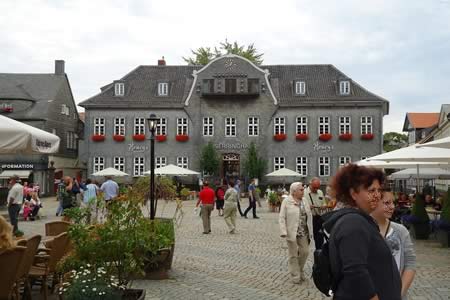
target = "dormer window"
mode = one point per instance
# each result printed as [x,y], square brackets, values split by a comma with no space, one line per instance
[65,110]
[119,89]
[300,88]
[344,87]
[163,89]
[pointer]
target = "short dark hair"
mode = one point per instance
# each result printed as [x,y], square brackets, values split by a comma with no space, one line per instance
[231,182]
[88,181]
[354,177]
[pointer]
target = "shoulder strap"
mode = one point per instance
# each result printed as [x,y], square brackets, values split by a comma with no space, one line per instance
[312,201]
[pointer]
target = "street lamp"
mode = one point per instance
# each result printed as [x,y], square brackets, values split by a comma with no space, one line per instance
[152,127]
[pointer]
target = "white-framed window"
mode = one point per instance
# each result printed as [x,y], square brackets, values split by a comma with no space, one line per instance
[99,126]
[344,87]
[160,161]
[253,126]
[302,125]
[161,126]
[65,110]
[119,163]
[8,106]
[302,165]
[279,125]
[182,162]
[324,124]
[278,163]
[345,125]
[230,127]
[300,88]
[139,126]
[119,126]
[208,126]
[163,89]
[99,163]
[182,126]
[366,124]
[139,164]
[324,166]
[71,140]
[344,160]
[119,89]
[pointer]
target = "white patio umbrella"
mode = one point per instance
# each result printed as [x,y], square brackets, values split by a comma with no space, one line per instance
[284,172]
[399,164]
[18,137]
[425,173]
[110,172]
[441,143]
[173,170]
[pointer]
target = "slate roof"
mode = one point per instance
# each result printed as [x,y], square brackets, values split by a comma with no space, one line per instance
[141,87]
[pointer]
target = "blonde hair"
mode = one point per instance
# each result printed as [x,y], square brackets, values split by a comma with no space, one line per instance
[6,237]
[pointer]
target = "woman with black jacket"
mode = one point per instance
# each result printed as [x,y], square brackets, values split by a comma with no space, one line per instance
[362,264]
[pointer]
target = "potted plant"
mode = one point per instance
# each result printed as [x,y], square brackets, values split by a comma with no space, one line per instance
[98,137]
[443,224]
[184,193]
[119,138]
[367,136]
[139,137]
[182,137]
[301,137]
[419,220]
[273,201]
[345,137]
[279,137]
[325,137]
[161,137]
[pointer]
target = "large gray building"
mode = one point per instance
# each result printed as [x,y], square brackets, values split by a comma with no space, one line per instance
[309,118]
[45,101]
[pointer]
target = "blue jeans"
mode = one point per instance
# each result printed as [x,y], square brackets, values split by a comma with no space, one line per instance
[13,212]
[60,209]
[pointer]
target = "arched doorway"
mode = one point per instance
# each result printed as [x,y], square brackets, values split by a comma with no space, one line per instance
[230,165]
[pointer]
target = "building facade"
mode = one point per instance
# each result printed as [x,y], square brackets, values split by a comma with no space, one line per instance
[44,101]
[308,118]
[419,125]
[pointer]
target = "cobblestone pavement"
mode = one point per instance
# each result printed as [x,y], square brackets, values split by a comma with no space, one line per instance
[252,264]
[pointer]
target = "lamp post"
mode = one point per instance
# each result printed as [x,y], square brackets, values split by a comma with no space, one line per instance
[152,127]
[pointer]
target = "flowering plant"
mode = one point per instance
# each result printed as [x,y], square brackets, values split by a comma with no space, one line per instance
[279,137]
[345,136]
[182,137]
[302,136]
[90,283]
[98,137]
[161,138]
[325,137]
[367,136]
[118,138]
[139,137]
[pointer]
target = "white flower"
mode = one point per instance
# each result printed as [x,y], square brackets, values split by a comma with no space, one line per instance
[84,281]
[94,289]
[83,290]
[88,265]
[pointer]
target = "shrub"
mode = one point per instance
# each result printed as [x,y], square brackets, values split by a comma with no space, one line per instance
[184,193]
[418,210]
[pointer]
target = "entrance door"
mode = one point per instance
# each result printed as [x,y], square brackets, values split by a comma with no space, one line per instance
[231,166]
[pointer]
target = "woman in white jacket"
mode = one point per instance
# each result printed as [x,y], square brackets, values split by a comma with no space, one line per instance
[296,226]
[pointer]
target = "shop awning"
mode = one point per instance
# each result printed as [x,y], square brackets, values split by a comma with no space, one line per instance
[21,173]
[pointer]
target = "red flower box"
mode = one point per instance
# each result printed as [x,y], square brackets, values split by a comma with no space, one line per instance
[345,137]
[7,109]
[139,137]
[182,137]
[325,137]
[367,136]
[279,137]
[98,138]
[301,137]
[161,138]
[119,138]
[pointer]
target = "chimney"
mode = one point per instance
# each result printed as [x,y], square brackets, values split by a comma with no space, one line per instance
[59,67]
[161,62]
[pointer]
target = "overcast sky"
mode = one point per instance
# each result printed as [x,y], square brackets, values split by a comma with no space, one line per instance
[397,49]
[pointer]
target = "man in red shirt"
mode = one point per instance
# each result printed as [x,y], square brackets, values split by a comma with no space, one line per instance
[206,198]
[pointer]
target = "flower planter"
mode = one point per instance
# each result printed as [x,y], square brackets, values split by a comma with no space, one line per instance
[302,137]
[98,138]
[161,138]
[367,136]
[420,231]
[7,109]
[139,137]
[345,137]
[443,237]
[182,137]
[279,137]
[119,138]
[325,137]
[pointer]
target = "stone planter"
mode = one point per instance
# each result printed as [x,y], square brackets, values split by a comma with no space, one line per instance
[443,237]
[420,231]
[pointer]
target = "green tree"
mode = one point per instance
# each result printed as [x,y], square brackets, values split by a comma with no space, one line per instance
[209,159]
[204,55]
[394,141]
[254,166]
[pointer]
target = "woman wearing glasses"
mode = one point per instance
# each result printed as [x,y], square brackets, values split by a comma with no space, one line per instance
[295,221]
[361,262]
[398,239]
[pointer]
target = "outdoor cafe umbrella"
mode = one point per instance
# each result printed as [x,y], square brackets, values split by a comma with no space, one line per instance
[425,173]
[173,170]
[283,172]
[441,143]
[18,137]
[399,164]
[110,172]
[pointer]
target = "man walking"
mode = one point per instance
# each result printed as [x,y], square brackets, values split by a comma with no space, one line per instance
[206,198]
[251,199]
[237,187]
[15,197]
[110,188]
[316,199]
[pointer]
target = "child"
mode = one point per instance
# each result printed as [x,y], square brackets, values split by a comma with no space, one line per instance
[26,210]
